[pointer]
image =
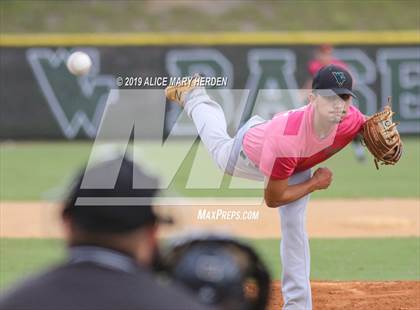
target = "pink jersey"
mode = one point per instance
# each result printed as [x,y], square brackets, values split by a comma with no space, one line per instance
[287,143]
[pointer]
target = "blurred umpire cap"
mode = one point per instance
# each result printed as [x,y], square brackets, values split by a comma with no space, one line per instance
[106,213]
[334,78]
[220,271]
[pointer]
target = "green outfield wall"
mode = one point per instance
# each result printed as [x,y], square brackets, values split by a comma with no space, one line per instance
[40,99]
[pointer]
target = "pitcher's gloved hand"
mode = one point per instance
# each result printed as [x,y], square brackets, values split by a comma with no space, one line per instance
[381,137]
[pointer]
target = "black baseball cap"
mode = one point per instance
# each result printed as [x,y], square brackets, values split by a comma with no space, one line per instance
[334,78]
[114,217]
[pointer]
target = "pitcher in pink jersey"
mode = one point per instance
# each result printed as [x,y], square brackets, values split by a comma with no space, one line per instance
[288,143]
[323,56]
[281,152]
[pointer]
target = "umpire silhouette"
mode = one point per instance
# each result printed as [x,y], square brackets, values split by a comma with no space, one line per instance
[112,250]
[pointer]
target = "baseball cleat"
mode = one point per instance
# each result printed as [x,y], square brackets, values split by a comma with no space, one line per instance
[177,93]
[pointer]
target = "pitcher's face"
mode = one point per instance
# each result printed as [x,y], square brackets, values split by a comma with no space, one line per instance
[332,108]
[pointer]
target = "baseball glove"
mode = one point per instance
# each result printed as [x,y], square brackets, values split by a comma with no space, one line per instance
[381,137]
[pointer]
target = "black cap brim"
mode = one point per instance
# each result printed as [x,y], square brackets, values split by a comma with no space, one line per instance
[344,91]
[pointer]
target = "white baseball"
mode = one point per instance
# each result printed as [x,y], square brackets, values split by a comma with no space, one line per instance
[79,63]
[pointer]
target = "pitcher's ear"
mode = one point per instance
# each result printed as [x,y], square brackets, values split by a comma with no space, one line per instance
[311,97]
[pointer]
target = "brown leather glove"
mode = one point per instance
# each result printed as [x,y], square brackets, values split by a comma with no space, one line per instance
[381,137]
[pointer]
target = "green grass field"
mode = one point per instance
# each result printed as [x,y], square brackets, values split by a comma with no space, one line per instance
[40,171]
[100,16]
[332,259]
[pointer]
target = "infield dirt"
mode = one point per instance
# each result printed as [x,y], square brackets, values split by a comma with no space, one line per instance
[358,295]
[325,218]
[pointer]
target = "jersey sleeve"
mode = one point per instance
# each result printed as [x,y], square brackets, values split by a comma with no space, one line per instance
[360,119]
[283,168]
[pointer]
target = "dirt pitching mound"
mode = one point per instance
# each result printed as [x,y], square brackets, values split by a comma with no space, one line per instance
[358,295]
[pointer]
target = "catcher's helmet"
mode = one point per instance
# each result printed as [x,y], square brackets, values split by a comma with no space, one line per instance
[220,271]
